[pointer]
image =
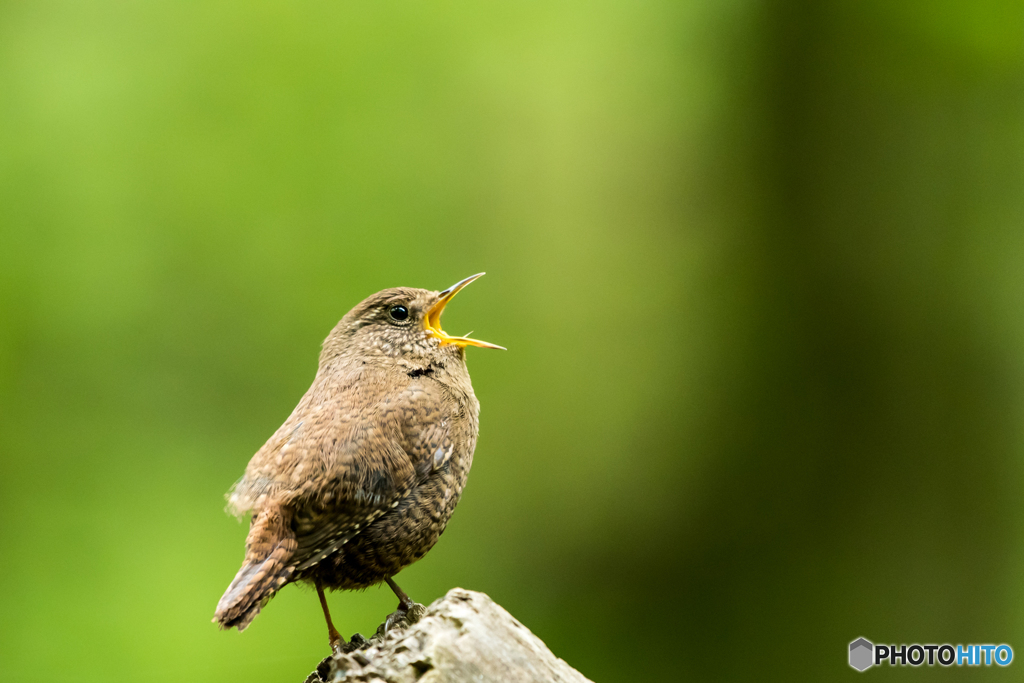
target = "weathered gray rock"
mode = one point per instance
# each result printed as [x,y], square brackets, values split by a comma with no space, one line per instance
[464,636]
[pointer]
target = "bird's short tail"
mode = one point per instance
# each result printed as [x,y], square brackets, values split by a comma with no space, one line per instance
[267,568]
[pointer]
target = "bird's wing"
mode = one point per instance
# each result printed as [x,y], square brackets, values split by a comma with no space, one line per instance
[400,444]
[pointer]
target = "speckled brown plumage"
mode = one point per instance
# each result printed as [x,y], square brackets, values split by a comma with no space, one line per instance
[362,477]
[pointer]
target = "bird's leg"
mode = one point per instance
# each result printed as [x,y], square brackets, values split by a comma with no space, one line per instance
[406,608]
[405,603]
[332,633]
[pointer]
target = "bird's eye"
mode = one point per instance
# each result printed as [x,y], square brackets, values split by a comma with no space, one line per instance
[399,313]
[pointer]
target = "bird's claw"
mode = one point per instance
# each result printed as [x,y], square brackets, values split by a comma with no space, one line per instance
[403,616]
[396,617]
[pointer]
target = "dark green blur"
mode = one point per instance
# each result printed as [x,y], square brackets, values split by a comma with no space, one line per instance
[759,268]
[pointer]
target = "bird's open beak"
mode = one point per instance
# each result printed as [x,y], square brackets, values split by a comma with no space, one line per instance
[432,321]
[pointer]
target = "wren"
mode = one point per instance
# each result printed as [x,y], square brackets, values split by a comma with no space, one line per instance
[362,478]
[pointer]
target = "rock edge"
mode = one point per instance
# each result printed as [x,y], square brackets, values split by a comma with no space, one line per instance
[464,636]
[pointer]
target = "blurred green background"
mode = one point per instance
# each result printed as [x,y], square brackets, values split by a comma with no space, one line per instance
[759,267]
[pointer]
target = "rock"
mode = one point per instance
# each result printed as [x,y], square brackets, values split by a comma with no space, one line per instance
[464,636]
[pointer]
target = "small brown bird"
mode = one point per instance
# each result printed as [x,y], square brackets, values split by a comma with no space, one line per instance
[363,476]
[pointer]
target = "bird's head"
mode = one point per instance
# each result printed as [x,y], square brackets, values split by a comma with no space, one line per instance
[400,322]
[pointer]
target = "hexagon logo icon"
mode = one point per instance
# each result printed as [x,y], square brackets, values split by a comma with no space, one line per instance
[862,654]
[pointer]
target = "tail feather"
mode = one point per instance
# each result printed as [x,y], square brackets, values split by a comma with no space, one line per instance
[267,568]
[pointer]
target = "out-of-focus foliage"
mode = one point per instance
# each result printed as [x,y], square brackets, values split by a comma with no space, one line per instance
[758,267]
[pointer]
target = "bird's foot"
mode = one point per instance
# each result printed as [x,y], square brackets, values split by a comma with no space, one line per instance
[356,642]
[405,615]
[323,670]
